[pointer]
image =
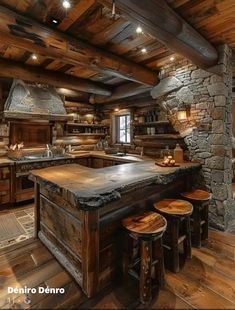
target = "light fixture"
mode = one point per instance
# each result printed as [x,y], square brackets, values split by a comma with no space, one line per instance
[139,30]
[144,50]
[116,110]
[172,58]
[66,4]
[113,9]
[183,114]
[54,21]
[34,57]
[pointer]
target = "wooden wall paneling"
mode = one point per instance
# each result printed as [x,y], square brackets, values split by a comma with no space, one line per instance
[66,228]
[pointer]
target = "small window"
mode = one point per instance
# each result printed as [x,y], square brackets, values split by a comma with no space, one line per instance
[123,128]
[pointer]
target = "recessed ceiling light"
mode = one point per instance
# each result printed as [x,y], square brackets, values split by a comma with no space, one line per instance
[66,4]
[172,58]
[139,29]
[144,50]
[54,21]
[34,57]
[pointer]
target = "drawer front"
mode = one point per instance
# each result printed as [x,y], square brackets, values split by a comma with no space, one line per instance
[4,197]
[5,173]
[4,185]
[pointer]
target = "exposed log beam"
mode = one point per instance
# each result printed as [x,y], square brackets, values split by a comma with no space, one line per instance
[73,94]
[28,34]
[122,104]
[78,105]
[73,15]
[13,69]
[159,20]
[123,91]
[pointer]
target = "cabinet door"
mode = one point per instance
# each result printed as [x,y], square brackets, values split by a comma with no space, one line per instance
[97,163]
[116,163]
[82,161]
[5,185]
[107,163]
[5,173]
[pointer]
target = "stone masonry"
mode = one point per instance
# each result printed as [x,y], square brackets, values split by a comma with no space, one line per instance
[208,129]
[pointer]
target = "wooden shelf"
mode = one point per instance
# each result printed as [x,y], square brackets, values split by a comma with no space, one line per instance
[87,125]
[86,134]
[159,136]
[158,123]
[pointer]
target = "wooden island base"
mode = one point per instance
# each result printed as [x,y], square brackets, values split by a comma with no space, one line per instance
[88,241]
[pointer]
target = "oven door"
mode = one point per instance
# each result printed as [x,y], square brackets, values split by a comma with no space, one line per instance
[24,187]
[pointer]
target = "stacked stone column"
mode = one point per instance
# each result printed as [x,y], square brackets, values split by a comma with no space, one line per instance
[208,129]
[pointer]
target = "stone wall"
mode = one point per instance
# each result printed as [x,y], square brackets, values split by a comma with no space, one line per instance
[207,131]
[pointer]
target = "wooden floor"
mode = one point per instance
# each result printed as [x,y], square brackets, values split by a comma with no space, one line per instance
[206,282]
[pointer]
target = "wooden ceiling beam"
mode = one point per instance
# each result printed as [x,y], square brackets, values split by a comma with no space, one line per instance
[13,69]
[73,15]
[130,103]
[22,32]
[159,20]
[120,92]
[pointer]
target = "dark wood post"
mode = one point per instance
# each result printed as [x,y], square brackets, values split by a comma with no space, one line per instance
[90,252]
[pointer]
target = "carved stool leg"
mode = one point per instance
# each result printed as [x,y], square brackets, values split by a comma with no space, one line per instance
[197,226]
[174,244]
[187,240]
[127,255]
[159,268]
[205,226]
[145,270]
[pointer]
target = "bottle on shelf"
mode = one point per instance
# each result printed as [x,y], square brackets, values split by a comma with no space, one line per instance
[178,154]
[166,152]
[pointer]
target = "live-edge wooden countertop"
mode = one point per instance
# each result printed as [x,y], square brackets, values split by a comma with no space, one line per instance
[89,188]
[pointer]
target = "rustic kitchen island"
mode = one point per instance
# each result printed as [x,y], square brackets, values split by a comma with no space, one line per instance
[79,212]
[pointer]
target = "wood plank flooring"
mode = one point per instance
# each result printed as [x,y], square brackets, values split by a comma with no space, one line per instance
[207,281]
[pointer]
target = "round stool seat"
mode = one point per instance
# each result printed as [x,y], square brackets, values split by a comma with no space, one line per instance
[147,223]
[197,195]
[174,207]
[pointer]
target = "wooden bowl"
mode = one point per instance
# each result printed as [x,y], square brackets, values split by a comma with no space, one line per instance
[15,154]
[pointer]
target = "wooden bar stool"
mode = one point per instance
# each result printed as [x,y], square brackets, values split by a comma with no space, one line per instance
[177,213]
[200,200]
[146,228]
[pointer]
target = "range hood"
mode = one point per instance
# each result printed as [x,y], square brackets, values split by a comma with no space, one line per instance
[34,101]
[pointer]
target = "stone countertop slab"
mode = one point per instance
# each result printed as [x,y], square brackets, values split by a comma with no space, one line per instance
[88,188]
[103,155]
[99,154]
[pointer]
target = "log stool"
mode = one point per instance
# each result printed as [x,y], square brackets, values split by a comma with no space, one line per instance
[200,200]
[177,213]
[147,228]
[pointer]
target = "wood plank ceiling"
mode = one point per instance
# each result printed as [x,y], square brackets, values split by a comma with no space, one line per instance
[90,21]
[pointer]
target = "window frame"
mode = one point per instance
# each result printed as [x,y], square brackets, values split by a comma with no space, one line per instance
[116,127]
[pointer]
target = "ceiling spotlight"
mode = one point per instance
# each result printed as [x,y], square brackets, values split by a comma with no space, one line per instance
[139,29]
[172,58]
[144,50]
[34,57]
[66,4]
[54,21]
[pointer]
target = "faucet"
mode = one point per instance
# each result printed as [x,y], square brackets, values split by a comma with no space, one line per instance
[48,151]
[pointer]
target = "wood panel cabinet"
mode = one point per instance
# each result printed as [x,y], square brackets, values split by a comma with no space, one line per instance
[5,185]
[97,162]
